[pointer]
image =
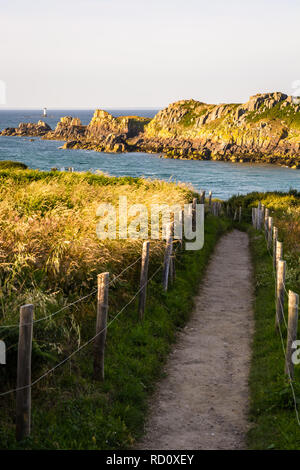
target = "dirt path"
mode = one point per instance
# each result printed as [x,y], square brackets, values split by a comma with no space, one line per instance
[202,403]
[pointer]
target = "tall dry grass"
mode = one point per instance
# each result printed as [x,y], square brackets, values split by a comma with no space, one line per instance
[48,241]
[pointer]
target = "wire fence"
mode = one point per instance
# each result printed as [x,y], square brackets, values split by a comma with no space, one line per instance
[83,345]
[168,266]
[261,220]
[16,325]
[26,324]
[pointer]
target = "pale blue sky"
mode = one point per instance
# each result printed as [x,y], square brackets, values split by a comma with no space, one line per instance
[146,53]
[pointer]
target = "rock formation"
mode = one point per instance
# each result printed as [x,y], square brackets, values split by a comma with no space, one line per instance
[67,128]
[266,128]
[28,129]
[105,133]
[103,124]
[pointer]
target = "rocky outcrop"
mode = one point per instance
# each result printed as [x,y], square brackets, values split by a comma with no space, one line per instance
[28,129]
[67,128]
[265,128]
[111,144]
[103,124]
[104,133]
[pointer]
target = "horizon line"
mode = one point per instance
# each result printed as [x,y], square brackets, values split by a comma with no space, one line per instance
[82,108]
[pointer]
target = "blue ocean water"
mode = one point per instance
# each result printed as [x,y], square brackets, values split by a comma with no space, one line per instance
[224,179]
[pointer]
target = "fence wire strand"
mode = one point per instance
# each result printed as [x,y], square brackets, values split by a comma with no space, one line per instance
[16,325]
[278,297]
[281,336]
[83,345]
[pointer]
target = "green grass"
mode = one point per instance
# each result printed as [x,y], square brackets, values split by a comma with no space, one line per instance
[188,120]
[287,114]
[284,207]
[9,164]
[272,413]
[69,409]
[68,179]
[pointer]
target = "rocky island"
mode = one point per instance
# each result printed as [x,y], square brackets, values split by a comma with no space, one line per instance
[265,129]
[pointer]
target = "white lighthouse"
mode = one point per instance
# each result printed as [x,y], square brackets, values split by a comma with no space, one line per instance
[45,112]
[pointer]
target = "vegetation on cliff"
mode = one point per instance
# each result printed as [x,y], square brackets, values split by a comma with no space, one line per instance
[266,128]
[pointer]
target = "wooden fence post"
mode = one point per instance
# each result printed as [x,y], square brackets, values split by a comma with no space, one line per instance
[202,198]
[258,217]
[235,215]
[144,279]
[172,271]
[280,281]
[240,214]
[167,258]
[101,325]
[209,199]
[291,332]
[228,210]
[181,222]
[262,217]
[23,398]
[270,231]
[255,224]
[194,204]
[279,252]
[266,222]
[275,238]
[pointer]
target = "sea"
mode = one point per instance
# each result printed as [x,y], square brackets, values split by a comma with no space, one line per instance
[222,178]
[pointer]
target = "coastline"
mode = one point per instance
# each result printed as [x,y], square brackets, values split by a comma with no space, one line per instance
[253,158]
[266,129]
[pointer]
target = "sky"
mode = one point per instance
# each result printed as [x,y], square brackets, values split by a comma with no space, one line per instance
[145,53]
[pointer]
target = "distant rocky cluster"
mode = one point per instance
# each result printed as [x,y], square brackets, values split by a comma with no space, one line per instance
[266,128]
[28,129]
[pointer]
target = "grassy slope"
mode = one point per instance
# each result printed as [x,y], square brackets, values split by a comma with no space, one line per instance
[193,110]
[288,115]
[272,409]
[70,410]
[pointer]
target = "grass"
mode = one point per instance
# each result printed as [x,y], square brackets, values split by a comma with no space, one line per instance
[50,255]
[9,164]
[194,111]
[285,210]
[288,114]
[272,413]
[48,221]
